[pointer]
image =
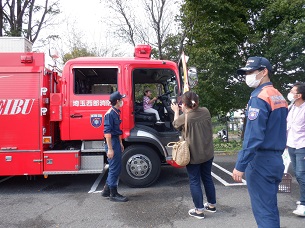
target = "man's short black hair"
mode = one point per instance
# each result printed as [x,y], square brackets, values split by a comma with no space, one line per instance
[300,88]
[113,103]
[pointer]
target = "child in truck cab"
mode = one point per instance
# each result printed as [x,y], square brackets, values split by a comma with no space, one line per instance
[148,104]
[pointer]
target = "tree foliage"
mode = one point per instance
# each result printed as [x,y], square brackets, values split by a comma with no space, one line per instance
[72,43]
[172,46]
[26,17]
[77,52]
[222,34]
[75,45]
[150,22]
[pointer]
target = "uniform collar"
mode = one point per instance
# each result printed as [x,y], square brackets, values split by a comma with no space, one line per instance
[259,88]
[116,110]
[263,85]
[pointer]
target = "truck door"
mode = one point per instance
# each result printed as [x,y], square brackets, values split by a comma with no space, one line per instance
[89,100]
[187,75]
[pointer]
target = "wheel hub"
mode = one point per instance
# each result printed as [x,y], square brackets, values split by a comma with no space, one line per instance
[138,166]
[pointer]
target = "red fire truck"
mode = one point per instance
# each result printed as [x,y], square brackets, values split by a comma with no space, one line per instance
[52,123]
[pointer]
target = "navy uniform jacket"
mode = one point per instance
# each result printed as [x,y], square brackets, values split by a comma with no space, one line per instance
[112,123]
[266,124]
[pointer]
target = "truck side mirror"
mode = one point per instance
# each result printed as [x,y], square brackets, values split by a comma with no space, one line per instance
[53,53]
[192,77]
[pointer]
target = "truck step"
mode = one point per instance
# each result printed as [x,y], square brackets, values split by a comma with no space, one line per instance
[93,146]
[93,150]
[74,172]
[92,162]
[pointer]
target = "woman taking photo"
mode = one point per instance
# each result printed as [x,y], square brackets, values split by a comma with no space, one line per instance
[199,137]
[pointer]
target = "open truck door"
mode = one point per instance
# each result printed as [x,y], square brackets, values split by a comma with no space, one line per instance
[188,76]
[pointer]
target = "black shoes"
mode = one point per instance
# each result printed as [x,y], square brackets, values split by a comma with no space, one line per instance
[113,194]
[116,197]
[193,213]
[208,208]
[106,191]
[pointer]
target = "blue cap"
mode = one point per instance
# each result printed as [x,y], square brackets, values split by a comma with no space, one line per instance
[255,63]
[116,96]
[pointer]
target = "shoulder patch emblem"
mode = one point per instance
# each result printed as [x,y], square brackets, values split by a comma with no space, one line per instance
[253,113]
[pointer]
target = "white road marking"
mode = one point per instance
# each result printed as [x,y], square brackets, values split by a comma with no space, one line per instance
[222,180]
[5,179]
[225,183]
[98,180]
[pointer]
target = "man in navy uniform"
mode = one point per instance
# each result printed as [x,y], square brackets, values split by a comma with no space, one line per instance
[264,143]
[114,147]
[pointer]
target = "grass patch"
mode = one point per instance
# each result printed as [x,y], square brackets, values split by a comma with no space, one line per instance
[231,146]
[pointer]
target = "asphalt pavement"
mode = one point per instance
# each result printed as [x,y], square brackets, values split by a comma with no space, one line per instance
[75,201]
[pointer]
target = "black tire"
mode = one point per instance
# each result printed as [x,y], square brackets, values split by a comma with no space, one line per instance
[141,166]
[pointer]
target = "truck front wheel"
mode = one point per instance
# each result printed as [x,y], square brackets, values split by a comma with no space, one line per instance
[141,166]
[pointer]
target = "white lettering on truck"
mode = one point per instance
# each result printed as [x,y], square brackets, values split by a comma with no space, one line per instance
[16,106]
[89,103]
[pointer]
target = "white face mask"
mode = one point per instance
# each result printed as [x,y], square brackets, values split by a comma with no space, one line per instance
[290,97]
[121,104]
[251,80]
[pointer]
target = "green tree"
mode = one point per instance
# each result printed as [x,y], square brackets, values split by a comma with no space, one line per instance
[222,34]
[172,47]
[77,52]
[26,17]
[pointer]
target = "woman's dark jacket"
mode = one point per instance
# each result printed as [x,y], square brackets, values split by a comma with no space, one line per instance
[199,134]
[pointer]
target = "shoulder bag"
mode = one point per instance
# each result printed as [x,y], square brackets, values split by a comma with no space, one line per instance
[181,151]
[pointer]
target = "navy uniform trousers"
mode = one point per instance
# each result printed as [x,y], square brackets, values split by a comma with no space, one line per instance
[263,175]
[115,163]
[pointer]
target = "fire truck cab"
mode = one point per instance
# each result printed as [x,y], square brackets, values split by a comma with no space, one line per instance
[52,123]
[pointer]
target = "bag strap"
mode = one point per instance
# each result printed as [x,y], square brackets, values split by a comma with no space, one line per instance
[185,125]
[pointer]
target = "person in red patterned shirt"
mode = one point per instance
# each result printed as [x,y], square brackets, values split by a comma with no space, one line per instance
[148,104]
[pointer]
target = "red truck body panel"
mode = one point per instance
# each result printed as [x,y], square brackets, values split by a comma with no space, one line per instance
[17,108]
[20,119]
[57,160]
[20,163]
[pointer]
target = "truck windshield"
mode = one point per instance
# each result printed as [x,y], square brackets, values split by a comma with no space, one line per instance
[160,81]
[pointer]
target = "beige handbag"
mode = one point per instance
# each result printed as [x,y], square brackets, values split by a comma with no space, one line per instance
[181,151]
